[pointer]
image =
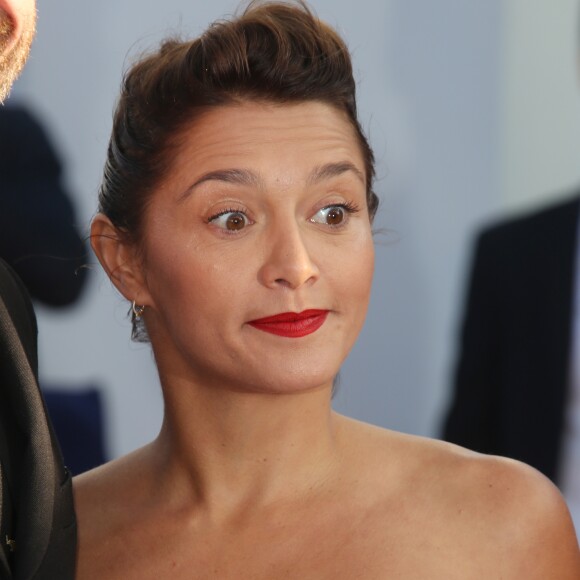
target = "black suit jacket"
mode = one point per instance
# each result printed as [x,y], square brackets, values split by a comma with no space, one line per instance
[36,505]
[512,376]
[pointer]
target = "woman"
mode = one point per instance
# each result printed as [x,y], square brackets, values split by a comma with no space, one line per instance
[235,216]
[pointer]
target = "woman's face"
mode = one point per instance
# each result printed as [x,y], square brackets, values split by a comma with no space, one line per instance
[263,212]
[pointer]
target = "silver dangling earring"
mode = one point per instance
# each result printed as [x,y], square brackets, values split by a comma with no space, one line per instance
[137,310]
[138,331]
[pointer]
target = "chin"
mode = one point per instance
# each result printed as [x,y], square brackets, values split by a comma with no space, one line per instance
[295,381]
[297,371]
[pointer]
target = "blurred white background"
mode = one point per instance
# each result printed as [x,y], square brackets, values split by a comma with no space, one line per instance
[473,109]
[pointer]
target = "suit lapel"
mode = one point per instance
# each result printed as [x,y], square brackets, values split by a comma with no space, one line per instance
[36,480]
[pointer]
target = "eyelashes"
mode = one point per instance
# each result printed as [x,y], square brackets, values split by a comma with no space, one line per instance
[231,220]
[334,215]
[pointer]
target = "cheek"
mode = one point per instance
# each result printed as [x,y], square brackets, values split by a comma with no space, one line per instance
[361,267]
[186,280]
[171,267]
[351,275]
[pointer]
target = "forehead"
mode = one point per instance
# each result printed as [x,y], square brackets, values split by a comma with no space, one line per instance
[276,141]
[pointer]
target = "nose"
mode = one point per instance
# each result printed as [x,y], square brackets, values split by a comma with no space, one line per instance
[287,263]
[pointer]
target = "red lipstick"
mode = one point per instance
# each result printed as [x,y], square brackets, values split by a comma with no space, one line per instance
[291,324]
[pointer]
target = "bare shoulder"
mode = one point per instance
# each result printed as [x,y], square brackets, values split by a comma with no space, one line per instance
[493,511]
[111,482]
[109,502]
[523,510]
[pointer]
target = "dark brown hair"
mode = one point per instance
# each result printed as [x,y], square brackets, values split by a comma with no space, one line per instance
[273,52]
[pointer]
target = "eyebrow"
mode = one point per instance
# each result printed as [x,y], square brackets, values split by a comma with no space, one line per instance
[237,176]
[246,177]
[330,170]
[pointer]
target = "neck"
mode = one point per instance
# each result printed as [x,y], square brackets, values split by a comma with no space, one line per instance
[226,448]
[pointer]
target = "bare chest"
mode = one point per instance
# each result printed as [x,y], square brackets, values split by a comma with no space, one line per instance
[306,547]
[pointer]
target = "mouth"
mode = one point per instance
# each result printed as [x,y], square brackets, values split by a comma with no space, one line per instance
[291,324]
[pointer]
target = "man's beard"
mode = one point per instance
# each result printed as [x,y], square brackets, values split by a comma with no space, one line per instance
[11,62]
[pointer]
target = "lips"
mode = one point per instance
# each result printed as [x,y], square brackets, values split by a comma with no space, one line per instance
[292,324]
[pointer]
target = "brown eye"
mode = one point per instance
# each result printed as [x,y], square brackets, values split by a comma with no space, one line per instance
[232,221]
[333,215]
[235,221]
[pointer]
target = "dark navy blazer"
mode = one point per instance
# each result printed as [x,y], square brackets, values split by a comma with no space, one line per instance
[511,380]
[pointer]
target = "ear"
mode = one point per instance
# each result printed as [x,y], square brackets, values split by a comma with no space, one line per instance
[120,259]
